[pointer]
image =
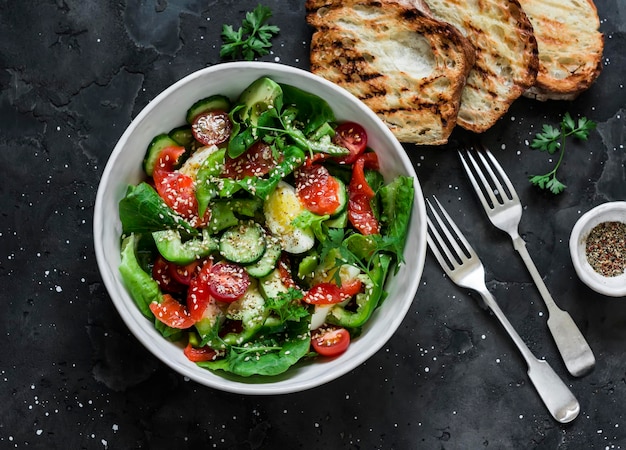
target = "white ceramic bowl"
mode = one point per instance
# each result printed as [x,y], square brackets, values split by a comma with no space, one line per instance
[167,111]
[607,212]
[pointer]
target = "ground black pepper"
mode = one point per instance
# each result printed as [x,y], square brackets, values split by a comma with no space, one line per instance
[606,248]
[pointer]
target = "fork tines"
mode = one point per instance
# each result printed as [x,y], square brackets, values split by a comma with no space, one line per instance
[442,242]
[490,191]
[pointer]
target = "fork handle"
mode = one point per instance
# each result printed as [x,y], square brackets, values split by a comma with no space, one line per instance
[557,397]
[569,340]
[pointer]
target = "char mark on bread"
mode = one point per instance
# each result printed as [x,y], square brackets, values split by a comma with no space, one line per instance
[407,67]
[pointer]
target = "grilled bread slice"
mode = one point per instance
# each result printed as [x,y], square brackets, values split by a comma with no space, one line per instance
[570,47]
[409,68]
[506,56]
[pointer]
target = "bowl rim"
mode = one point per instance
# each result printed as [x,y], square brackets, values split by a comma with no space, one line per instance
[146,337]
[609,211]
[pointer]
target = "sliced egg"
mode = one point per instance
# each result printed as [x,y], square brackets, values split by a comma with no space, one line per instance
[280,209]
[318,318]
[347,272]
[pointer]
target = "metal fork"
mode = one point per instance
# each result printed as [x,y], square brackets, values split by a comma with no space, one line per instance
[504,210]
[462,265]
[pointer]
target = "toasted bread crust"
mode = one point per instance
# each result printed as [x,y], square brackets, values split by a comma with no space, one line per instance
[506,56]
[407,67]
[570,47]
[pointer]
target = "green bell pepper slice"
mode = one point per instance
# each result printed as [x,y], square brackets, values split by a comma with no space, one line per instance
[366,302]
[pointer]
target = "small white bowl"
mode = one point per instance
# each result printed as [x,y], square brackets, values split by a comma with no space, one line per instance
[607,212]
[167,111]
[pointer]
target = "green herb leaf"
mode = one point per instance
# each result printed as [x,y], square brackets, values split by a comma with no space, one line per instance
[548,140]
[287,305]
[552,139]
[142,210]
[307,219]
[584,127]
[568,123]
[270,355]
[555,186]
[252,39]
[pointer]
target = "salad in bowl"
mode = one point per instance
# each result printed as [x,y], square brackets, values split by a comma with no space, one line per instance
[259,237]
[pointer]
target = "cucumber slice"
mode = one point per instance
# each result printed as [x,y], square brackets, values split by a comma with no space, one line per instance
[154,149]
[182,135]
[244,243]
[212,103]
[272,286]
[343,199]
[268,261]
[338,221]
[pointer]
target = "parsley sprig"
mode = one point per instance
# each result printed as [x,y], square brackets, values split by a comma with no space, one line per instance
[553,139]
[287,305]
[252,38]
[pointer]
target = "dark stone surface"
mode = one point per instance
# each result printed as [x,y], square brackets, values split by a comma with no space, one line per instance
[74,73]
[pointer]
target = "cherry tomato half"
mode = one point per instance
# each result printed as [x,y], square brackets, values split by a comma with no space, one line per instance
[330,293]
[257,161]
[330,341]
[171,312]
[228,282]
[352,136]
[212,127]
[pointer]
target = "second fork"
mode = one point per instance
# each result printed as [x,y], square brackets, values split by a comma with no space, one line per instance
[504,210]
